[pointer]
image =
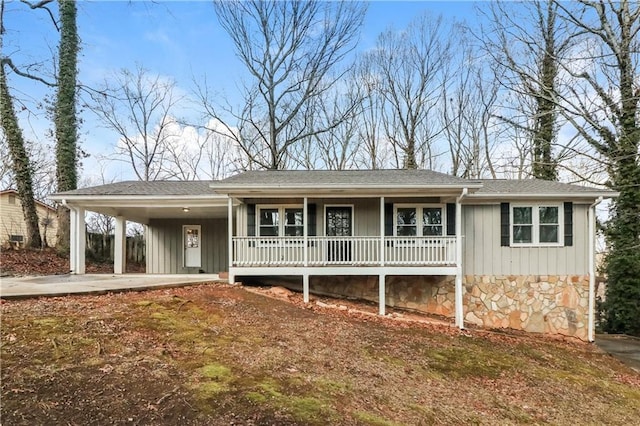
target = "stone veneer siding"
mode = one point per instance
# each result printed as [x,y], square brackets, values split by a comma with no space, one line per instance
[432,294]
[553,304]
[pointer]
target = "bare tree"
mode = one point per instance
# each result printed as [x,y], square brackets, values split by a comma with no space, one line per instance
[336,148]
[411,68]
[527,42]
[603,105]
[289,49]
[139,108]
[469,105]
[374,151]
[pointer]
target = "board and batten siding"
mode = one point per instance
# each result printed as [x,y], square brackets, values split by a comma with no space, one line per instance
[165,252]
[366,212]
[483,255]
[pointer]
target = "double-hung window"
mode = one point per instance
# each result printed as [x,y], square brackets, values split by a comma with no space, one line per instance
[280,221]
[536,224]
[419,221]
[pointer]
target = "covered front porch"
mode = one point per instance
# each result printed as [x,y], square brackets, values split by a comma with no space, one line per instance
[330,235]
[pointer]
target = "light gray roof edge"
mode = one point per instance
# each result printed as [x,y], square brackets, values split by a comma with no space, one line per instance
[140,188]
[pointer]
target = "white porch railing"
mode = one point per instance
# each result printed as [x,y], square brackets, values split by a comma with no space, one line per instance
[347,251]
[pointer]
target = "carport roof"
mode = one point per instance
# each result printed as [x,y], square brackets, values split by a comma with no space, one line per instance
[151,188]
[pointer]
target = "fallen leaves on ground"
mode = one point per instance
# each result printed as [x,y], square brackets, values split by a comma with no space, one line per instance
[49,262]
[218,354]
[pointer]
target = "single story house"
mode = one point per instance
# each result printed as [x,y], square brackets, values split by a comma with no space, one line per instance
[497,253]
[13,226]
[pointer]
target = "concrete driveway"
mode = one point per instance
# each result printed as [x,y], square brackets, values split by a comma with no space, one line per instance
[625,348]
[62,285]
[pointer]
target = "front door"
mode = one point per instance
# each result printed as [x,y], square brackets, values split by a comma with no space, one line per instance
[339,223]
[191,237]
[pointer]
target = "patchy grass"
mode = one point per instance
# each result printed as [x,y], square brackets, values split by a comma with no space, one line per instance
[215,354]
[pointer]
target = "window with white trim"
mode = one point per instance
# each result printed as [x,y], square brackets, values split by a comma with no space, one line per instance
[536,224]
[419,221]
[279,221]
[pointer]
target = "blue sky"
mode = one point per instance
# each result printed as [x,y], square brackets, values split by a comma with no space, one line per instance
[179,39]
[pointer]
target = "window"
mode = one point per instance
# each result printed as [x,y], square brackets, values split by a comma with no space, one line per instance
[535,225]
[274,221]
[12,199]
[431,221]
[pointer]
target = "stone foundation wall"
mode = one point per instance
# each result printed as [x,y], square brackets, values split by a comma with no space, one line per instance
[554,304]
[424,293]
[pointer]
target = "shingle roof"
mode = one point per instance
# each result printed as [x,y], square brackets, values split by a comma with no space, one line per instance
[340,177]
[534,186]
[157,188]
[327,179]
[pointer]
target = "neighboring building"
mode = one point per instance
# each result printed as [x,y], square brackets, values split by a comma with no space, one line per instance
[495,253]
[12,226]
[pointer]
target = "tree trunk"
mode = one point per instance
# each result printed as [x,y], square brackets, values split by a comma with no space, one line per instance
[20,161]
[65,115]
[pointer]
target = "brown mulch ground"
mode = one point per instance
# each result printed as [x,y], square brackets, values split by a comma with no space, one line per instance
[48,262]
[217,355]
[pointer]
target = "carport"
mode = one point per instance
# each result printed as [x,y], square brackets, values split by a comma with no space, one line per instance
[143,202]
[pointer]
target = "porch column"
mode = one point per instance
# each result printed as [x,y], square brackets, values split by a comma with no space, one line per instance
[77,241]
[120,246]
[230,238]
[381,294]
[305,276]
[382,231]
[458,282]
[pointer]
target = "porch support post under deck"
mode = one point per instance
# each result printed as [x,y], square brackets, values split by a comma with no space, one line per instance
[78,240]
[381,231]
[458,283]
[305,287]
[230,237]
[120,246]
[381,294]
[305,276]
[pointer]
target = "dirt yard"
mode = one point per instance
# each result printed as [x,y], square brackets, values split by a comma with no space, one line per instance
[220,355]
[49,262]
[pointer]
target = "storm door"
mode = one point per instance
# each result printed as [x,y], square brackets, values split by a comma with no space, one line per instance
[192,246]
[339,224]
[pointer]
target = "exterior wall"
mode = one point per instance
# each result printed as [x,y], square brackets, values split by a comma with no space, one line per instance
[165,252]
[555,305]
[431,294]
[12,219]
[366,212]
[483,255]
[535,303]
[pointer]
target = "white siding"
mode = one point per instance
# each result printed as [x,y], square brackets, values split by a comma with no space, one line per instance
[165,252]
[483,255]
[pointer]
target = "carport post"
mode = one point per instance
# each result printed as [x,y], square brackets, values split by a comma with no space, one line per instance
[230,238]
[120,246]
[77,240]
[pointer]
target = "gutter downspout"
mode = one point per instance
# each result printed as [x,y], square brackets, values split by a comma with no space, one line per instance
[592,269]
[458,284]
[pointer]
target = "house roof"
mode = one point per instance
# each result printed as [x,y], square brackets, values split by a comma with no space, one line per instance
[340,177]
[14,192]
[284,181]
[151,188]
[347,180]
[531,188]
